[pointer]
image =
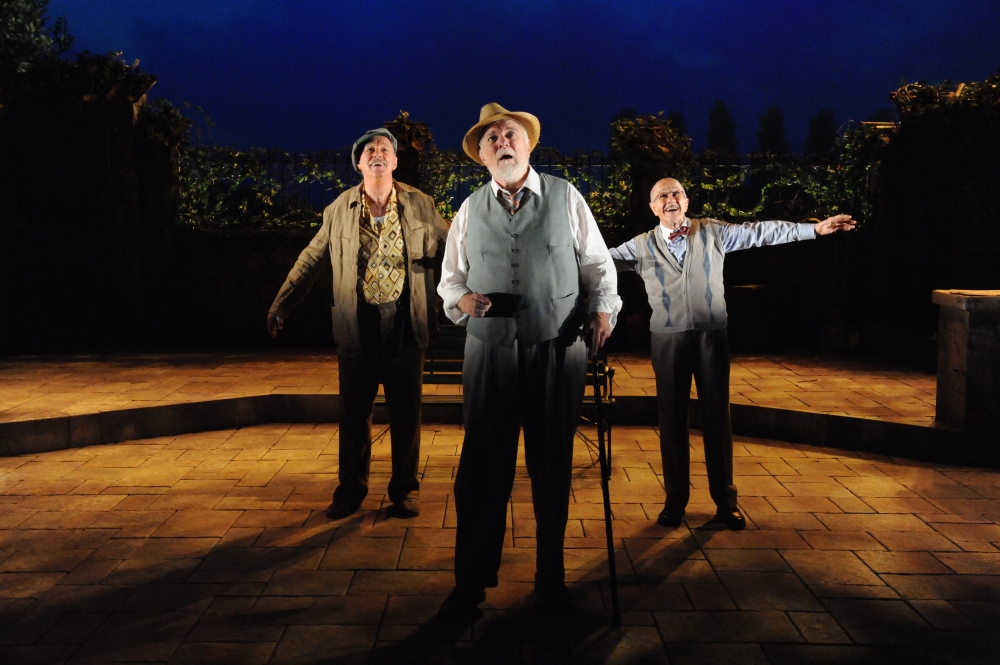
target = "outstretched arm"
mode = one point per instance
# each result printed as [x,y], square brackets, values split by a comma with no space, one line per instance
[624,256]
[758,234]
[300,278]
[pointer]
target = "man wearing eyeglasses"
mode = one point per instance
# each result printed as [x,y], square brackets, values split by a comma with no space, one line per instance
[680,262]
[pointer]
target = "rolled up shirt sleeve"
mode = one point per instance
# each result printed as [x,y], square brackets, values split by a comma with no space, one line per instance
[757,234]
[597,269]
[455,267]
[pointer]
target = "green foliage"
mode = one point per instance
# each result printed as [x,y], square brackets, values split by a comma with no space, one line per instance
[54,86]
[104,77]
[608,197]
[416,133]
[25,39]
[442,174]
[36,82]
[605,187]
[920,102]
[643,150]
[653,141]
[788,189]
[165,123]
[228,188]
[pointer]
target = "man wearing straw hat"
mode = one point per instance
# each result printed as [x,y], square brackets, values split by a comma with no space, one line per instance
[381,238]
[525,268]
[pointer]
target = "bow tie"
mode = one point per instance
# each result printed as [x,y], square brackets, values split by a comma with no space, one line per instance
[678,233]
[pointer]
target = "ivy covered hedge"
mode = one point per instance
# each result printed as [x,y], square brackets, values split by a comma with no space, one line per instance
[233,188]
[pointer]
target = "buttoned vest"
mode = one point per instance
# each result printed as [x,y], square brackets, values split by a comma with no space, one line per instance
[528,254]
[688,297]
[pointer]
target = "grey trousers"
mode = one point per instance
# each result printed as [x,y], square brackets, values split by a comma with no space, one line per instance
[539,388]
[676,358]
[402,374]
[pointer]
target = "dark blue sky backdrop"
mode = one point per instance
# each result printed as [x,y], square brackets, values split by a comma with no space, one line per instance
[308,74]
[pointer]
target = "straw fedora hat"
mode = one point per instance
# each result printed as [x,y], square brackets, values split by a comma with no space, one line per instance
[490,114]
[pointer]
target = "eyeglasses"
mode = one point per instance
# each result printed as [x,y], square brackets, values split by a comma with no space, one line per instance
[677,194]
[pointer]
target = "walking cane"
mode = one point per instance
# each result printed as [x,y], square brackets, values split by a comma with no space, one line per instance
[603,400]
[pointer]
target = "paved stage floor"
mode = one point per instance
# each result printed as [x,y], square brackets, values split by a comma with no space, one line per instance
[33,388]
[213,548]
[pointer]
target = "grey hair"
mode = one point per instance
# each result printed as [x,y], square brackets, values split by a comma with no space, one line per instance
[487,128]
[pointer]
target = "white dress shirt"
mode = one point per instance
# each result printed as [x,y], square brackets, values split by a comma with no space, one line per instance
[597,270]
[734,237]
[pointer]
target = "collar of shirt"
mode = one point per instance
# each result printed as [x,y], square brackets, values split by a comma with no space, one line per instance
[665,232]
[534,183]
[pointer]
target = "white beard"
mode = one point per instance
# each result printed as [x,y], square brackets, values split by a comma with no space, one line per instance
[508,170]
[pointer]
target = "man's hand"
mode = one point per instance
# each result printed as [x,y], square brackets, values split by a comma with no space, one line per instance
[474,304]
[274,324]
[599,324]
[834,224]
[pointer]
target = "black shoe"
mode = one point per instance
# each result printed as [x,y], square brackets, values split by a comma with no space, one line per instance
[555,600]
[733,520]
[341,508]
[405,509]
[670,517]
[461,603]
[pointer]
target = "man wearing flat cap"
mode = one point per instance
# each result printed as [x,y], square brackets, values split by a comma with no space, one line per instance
[381,238]
[525,268]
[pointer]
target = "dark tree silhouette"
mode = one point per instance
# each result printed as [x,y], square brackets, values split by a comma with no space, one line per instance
[771,135]
[721,129]
[822,136]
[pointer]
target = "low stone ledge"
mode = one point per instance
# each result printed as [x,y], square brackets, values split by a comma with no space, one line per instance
[820,429]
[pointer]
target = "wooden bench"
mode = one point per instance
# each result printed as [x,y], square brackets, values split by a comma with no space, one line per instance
[444,358]
[445,355]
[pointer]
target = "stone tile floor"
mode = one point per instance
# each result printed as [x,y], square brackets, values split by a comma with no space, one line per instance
[40,388]
[213,548]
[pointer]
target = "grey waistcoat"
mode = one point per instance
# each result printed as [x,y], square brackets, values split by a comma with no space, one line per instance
[528,254]
[689,297]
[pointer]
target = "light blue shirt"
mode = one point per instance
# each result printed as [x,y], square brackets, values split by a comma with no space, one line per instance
[734,237]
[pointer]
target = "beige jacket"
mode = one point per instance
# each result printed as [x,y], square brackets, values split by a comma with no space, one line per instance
[338,239]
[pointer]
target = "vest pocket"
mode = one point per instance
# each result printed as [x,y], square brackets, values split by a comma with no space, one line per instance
[559,268]
[563,302]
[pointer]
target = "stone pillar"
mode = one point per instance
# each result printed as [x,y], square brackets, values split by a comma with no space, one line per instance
[968,379]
